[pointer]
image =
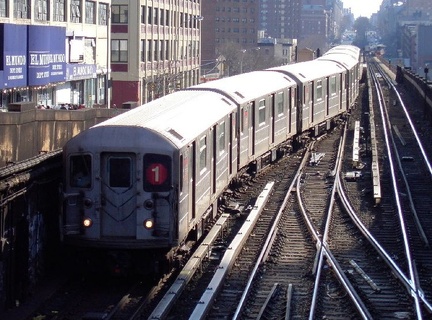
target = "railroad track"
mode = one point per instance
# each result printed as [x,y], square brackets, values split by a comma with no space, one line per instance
[331,250]
[378,292]
[409,153]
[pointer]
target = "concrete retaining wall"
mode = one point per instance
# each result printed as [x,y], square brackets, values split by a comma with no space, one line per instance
[26,134]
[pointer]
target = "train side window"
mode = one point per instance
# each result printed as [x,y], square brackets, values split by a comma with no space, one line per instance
[221,132]
[333,88]
[157,172]
[120,172]
[261,112]
[245,119]
[280,103]
[318,90]
[203,153]
[80,171]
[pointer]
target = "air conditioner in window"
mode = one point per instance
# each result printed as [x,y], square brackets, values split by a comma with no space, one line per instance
[76,50]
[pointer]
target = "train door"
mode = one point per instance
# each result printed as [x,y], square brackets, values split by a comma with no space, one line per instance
[214,161]
[192,170]
[252,126]
[118,195]
[273,115]
[310,101]
[295,111]
[244,135]
[186,192]
[232,144]
[341,91]
[221,161]
[328,92]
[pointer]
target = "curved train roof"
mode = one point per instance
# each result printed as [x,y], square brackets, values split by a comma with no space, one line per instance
[346,60]
[247,86]
[310,70]
[180,116]
[347,55]
[348,50]
[345,48]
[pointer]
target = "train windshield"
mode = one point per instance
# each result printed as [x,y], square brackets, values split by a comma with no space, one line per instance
[80,171]
[120,172]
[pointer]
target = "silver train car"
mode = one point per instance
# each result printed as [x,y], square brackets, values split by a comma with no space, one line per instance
[143,183]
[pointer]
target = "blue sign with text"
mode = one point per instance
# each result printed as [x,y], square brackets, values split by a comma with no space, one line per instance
[14,45]
[46,55]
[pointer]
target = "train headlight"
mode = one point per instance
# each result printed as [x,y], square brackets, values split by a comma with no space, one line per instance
[87,222]
[148,224]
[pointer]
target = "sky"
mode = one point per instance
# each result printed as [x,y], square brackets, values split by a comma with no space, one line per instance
[362,8]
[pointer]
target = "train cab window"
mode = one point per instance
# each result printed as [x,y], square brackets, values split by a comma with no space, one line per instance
[318,90]
[203,153]
[221,133]
[80,171]
[120,172]
[280,103]
[261,112]
[157,172]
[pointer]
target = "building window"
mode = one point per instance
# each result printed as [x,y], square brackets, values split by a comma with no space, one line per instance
[156,16]
[119,13]
[161,50]
[143,50]
[90,16]
[143,14]
[155,50]
[162,17]
[167,49]
[119,50]
[59,10]
[22,9]
[41,10]
[103,14]
[149,15]
[4,8]
[149,50]
[75,11]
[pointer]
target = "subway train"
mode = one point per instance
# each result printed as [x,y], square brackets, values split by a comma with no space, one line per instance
[141,186]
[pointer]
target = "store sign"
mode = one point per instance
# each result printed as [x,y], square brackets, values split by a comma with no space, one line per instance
[80,71]
[46,55]
[14,55]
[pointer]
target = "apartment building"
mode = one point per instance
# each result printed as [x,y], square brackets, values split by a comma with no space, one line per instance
[54,52]
[228,23]
[155,48]
[281,18]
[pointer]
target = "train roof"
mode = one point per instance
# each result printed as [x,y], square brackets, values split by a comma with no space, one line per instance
[346,60]
[345,48]
[246,86]
[180,116]
[310,70]
[348,50]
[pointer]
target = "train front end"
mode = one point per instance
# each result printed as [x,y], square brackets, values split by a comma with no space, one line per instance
[118,192]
